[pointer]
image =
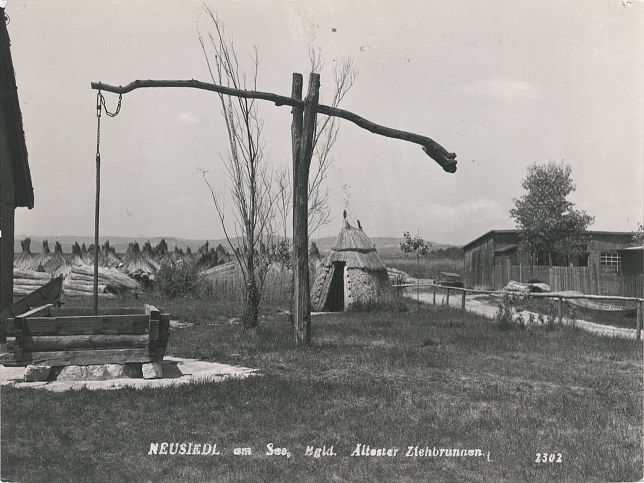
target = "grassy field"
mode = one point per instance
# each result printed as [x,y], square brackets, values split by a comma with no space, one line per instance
[427,268]
[432,377]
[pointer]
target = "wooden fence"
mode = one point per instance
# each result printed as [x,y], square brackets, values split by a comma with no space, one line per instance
[462,293]
[588,280]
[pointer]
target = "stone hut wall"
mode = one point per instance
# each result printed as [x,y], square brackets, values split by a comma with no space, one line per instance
[365,286]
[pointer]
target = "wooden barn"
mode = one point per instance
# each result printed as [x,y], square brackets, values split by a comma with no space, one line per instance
[15,179]
[496,257]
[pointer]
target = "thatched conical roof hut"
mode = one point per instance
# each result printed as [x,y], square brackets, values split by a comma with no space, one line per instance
[351,274]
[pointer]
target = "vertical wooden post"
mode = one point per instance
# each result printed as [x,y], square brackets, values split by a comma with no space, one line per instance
[560,310]
[463,300]
[640,314]
[301,294]
[296,142]
[448,296]
[434,293]
[96,213]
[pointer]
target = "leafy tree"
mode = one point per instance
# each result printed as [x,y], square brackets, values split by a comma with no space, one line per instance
[547,222]
[417,245]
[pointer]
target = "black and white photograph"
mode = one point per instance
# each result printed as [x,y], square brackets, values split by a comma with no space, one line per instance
[297,240]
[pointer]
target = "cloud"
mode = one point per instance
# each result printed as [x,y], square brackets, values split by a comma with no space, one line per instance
[188,118]
[502,89]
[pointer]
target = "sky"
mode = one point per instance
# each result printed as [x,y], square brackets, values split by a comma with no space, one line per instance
[503,84]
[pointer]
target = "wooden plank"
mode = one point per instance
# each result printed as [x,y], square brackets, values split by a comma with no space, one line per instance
[153,329]
[48,293]
[80,357]
[74,342]
[71,311]
[43,310]
[157,348]
[153,323]
[89,325]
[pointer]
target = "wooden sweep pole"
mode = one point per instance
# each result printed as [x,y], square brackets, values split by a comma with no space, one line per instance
[310,107]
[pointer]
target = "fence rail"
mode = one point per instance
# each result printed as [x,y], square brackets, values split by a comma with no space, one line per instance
[557,295]
[589,280]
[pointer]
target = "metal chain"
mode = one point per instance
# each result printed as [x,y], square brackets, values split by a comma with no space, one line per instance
[118,106]
[100,106]
[98,124]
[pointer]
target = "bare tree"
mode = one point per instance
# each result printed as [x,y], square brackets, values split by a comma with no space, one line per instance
[325,137]
[251,178]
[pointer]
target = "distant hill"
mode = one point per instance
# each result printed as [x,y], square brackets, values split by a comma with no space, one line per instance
[386,246]
[120,243]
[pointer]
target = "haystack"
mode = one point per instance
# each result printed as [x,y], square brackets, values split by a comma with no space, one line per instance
[57,264]
[136,265]
[148,255]
[177,254]
[351,274]
[26,260]
[45,254]
[77,257]
[108,257]
[85,256]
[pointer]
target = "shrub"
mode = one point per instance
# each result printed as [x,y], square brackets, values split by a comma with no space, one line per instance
[509,305]
[177,279]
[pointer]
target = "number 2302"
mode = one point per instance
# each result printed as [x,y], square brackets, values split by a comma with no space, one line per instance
[548,458]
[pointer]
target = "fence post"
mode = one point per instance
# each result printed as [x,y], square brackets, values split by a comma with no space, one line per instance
[434,293]
[463,300]
[448,296]
[639,320]
[560,310]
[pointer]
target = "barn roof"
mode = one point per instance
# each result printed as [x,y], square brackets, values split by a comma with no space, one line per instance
[11,122]
[353,247]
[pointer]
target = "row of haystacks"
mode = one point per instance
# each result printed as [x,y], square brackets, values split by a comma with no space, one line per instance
[54,263]
[117,275]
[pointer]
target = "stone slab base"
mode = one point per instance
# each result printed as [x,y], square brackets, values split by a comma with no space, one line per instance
[98,372]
